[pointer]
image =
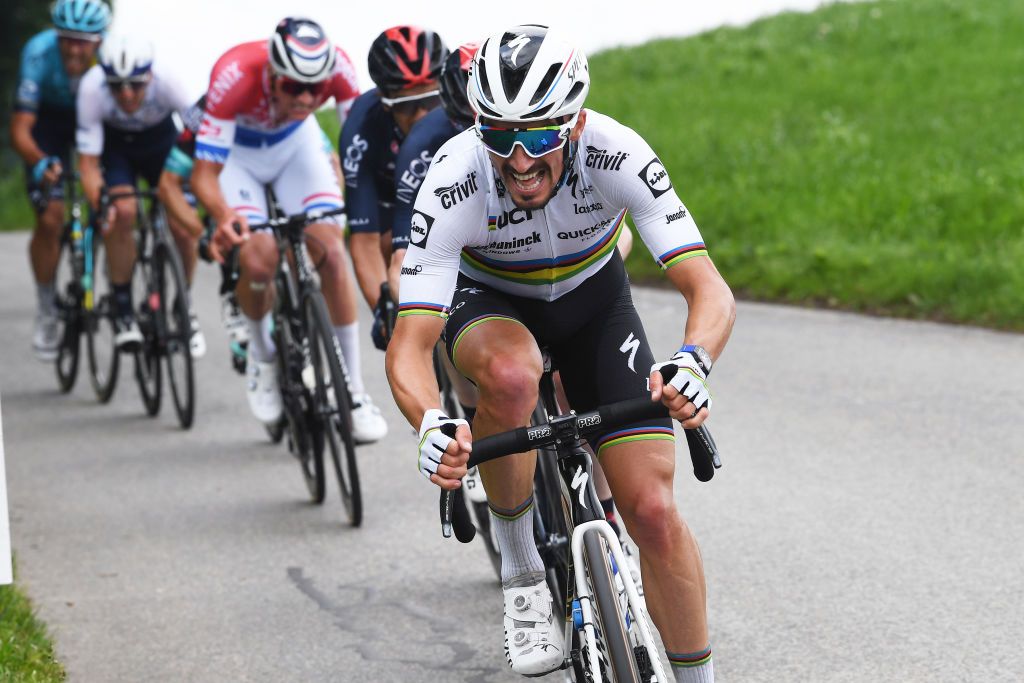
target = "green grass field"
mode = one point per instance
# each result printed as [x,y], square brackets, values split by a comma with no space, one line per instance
[866,156]
[26,653]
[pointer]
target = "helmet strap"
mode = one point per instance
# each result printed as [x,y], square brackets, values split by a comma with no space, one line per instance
[568,159]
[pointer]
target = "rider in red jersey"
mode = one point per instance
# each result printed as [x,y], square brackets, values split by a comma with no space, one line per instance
[258,131]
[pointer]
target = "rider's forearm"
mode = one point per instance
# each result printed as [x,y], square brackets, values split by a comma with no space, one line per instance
[173,198]
[92,178]
[410,371]
[21,138]
[395,271]
[712,308]
[369,264]
[206,185]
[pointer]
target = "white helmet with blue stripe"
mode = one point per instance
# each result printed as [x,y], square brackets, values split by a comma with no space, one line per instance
[126,57]
[528,73]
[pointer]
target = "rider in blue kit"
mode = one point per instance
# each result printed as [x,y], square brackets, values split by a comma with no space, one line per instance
[405,63]
[43,132]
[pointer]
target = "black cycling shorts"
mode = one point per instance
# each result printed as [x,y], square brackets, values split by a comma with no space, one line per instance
[54,134]
[593,333]
[128,155]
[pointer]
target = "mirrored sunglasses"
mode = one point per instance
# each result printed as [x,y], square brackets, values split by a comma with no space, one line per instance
[536,141]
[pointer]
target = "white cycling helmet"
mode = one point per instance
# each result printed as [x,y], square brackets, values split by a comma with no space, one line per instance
[528,73]
[125,57]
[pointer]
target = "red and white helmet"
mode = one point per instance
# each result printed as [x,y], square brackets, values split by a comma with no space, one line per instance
[528,73]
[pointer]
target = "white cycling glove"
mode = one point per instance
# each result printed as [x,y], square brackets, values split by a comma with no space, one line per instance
[433,441]
[693,364]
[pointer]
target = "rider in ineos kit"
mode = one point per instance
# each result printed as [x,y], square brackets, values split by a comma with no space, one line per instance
[503,259]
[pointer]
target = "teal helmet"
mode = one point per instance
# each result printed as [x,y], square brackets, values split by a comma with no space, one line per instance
[81,16]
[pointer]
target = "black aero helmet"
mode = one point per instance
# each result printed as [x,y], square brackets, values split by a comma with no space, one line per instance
[406,56]
[300,50]
[454,79]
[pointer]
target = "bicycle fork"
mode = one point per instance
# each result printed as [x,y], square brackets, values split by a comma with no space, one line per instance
[585,622]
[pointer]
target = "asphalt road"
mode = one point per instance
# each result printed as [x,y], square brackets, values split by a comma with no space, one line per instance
[866,525]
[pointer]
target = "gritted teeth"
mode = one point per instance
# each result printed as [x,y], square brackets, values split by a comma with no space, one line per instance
[525,176]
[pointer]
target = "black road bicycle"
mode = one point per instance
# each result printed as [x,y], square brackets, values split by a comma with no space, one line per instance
[608,636]
[311,368]
[83,301]
[161,299]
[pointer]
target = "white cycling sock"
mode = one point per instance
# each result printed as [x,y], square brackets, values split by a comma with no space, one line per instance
[692,667]
[45,299]
[261,344]
[514,530]
[348,338]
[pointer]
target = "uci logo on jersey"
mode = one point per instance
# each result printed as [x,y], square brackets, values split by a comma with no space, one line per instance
[656,177]
[419,228]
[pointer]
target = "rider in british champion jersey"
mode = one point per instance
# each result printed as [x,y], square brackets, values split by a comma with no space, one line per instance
[125,131]
[258,131]
[42,133]
[504,256]
[405,62]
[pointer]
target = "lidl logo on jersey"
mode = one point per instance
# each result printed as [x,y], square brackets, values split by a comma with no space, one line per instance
[419,228]
[602,160]
[656,177]
[453,194]
[515,217]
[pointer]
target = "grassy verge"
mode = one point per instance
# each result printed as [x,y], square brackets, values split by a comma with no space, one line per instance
[865,156]
[26,653]
[15,210]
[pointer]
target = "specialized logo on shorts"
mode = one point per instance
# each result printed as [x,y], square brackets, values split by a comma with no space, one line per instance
[630,346]
[453,194]
[680,214]
[515,217]
[602,160]
[419,228]
[656,177]
[353,156]
[412,177]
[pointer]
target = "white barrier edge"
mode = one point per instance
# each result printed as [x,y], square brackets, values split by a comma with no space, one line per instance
[6,569]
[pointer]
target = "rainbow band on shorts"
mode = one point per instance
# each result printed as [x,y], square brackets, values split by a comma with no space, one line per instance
[635,434]
[479,320]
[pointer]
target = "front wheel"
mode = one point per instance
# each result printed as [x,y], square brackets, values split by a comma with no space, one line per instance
[614,650]
[148,312]
[68,294]
[175,329]
[333,404]
[104,359]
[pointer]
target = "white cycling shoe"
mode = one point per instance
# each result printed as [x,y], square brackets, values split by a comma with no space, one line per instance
[196,339]
[368,425]
[533,636]
[262,390]
[46,337]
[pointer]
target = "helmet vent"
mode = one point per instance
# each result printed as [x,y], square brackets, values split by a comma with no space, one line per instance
[540,113]
[485,85]
[545,84]
[575,92]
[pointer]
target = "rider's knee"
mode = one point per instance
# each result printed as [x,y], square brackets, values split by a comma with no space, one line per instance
[257,265]
[50,220]
[126,209]
[652,518]
[510,387]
